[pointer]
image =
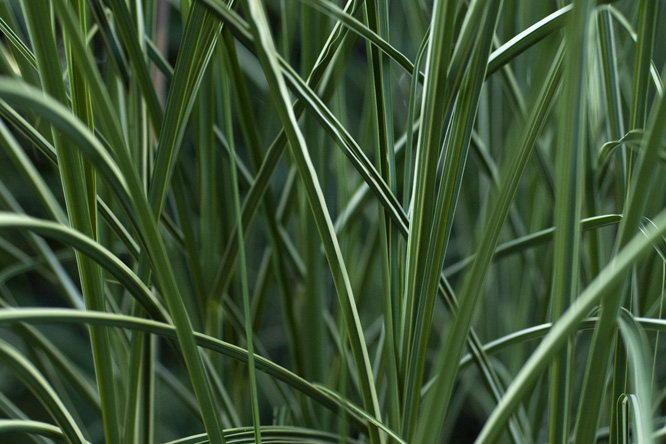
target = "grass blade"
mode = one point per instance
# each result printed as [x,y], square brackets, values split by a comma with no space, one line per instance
[78,198]
[24,370]
[266,53]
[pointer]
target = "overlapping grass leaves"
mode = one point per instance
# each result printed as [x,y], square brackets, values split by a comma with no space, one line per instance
[464,144]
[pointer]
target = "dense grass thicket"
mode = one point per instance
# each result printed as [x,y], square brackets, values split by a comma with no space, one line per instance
[318,221]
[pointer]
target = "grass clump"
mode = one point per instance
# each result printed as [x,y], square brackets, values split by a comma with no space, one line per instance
[315,221]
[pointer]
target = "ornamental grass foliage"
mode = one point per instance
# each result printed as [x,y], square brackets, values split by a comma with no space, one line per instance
[318,221]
